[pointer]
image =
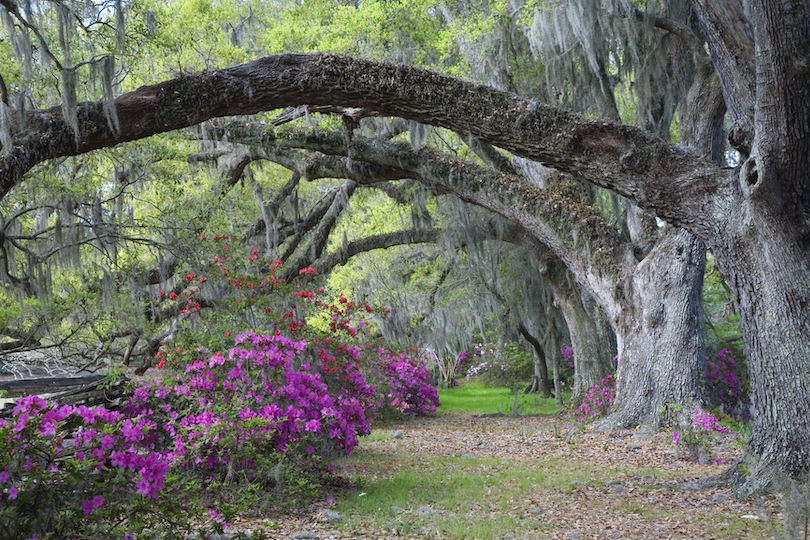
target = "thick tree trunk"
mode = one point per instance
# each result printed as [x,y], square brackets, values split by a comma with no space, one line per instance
[767,254]
[761,244]
[603,328]
[772,288]
[660,335]
[767,267]
[553,352]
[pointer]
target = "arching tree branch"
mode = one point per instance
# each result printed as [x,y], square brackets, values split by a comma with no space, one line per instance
[381,241]
[656,174]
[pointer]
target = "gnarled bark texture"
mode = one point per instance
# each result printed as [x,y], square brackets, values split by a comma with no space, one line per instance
[662,347]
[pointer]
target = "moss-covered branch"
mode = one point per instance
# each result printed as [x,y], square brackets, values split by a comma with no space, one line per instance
[663,177]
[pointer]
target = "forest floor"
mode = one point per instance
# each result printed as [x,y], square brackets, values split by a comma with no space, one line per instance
[534,477]
[459,476]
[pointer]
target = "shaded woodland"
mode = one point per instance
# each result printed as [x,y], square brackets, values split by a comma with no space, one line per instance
[557,170]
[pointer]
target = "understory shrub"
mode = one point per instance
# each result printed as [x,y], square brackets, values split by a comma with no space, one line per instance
[697,432]
[405,380]
[219,431]
[597,400]
[74,472]
[505,366]
[727,385]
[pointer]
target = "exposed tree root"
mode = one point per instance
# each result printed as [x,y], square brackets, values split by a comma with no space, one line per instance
[747,476]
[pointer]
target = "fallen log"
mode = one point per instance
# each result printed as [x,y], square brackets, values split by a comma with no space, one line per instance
[89,390]
[22,387]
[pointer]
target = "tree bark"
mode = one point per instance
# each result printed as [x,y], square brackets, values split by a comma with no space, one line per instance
[592,351]
[540,381]
[661,350]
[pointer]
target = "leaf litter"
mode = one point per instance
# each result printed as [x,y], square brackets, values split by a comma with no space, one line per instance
[600,486]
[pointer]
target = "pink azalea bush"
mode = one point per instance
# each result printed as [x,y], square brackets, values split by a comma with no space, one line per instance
[406,380]
[597,400]
[696,439]
[66,469]
[567,354]
[266,415]
[726,385]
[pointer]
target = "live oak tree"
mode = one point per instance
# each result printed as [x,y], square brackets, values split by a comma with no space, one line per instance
[660,335]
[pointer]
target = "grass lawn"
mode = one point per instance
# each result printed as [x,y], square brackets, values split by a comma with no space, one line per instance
[476,398]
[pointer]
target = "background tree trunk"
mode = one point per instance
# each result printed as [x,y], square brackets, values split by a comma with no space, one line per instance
[593,347]
[661,356]
[540,380]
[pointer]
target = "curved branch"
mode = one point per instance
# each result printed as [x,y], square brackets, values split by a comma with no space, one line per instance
[380,241]
[314,167]
[676,28]
[670,180]
[21,283]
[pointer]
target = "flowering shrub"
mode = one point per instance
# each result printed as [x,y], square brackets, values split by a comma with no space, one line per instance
[226,418]
[263,389]
[567,354]
[508,366]
[406,381]
[71,471]
[277,403]
[598,400]
[725,390]
[463,363]
[697,438]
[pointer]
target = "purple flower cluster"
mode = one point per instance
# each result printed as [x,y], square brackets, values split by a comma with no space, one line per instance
[724,387]
[698,438]
[705,422]
[567,353]
[462,363]
[91,459]
[488,362]
[598,400]
[262,398]
[262,394]
[406,381]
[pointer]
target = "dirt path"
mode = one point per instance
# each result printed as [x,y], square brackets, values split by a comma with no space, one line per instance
[611,486]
